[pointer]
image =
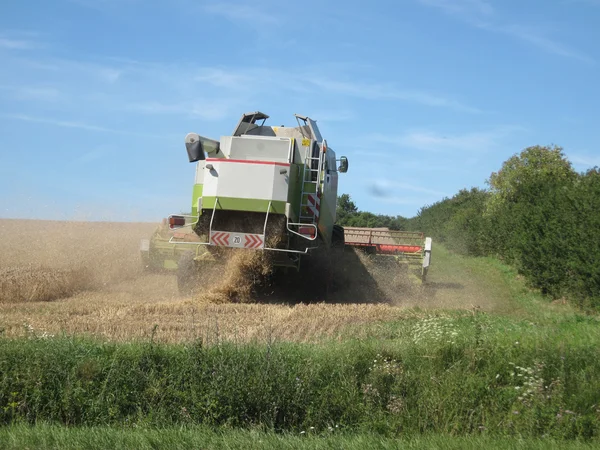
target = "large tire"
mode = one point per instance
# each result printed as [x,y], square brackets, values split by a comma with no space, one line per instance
[338,239]
[188,274]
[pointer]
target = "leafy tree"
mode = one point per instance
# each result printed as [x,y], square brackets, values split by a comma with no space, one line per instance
[534,166]
[345,208]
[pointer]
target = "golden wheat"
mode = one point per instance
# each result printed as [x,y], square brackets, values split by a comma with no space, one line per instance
[92,272]
[39,284]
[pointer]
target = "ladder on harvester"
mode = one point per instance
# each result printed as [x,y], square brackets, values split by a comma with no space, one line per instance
[310,199]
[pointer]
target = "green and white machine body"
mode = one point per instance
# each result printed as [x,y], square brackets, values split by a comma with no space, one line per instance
[263,188]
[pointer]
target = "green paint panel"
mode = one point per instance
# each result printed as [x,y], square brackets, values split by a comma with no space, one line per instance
[244,204]
[295,189]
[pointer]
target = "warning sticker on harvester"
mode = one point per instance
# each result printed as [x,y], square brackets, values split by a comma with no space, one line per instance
[238,240]
[305,142]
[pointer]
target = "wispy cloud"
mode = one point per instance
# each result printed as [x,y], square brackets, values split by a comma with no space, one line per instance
[248,14]
[342,115]
[260,80]
[462,7]
[268,79]
[589,2]
[57,123]
[544,43]
[20,40]
[103,5]
[584,161]
[223,78]
[37,93]
[387,91]
[73,124]
[481,14]
[16,44]
[436,142]
[125,88]
[207,110]
[93,155]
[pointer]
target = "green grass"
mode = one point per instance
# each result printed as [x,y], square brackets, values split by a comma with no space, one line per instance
[526,377]
[63,438]
[446,373]
[500,284]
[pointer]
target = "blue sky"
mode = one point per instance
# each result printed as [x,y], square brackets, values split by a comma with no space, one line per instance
[425,97]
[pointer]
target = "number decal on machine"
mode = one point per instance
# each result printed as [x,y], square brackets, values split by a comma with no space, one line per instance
[239,240]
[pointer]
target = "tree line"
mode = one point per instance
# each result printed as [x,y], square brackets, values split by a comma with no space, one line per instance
[538,214]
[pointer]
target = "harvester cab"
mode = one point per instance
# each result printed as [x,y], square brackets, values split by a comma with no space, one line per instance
[264,187]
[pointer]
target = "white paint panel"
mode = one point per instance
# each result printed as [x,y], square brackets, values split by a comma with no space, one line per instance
[259,148]
[427,244]
[200,172]
[427,256]
[246,180]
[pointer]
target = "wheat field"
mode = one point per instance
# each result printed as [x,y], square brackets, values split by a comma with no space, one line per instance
[86,278]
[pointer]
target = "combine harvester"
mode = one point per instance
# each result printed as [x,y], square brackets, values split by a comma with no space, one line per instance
[264,188]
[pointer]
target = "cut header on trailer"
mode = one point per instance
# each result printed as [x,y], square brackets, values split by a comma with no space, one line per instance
[410,246]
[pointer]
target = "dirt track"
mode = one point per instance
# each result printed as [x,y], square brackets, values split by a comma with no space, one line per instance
[119,301]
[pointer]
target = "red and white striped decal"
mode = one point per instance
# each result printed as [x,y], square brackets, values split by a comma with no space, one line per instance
[253,241]
[237,240]
[314,204]
[220,238]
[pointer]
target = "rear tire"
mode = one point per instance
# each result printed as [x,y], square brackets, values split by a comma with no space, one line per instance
[188,274]
[338,239]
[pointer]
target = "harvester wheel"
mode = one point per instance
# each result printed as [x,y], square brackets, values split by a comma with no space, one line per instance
[188,273]
[337,237]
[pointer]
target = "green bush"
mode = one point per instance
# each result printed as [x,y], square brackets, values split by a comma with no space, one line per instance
[539,215]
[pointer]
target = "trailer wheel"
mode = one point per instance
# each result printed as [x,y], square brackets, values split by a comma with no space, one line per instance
[188,274]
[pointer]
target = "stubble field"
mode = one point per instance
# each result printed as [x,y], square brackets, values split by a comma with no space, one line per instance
[86,278]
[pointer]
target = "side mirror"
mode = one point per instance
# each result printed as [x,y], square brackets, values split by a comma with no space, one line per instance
[194,147]
[343,168]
